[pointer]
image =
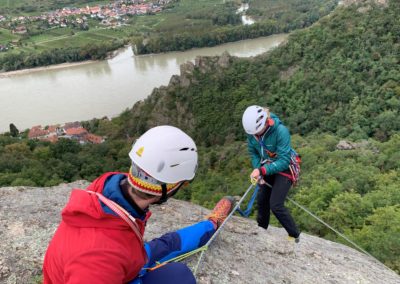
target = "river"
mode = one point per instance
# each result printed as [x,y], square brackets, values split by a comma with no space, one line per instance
[102,88]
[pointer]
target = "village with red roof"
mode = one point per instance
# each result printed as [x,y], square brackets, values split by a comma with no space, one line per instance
[111,14]
[71,130]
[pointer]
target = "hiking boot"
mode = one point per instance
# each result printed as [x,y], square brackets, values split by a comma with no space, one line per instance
[221,210]
[293,239]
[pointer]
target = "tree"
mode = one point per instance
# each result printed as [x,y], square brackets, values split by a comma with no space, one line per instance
[13,130]
[381,234]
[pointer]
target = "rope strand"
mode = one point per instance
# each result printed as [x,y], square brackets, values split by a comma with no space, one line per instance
[340,234]
[221,227]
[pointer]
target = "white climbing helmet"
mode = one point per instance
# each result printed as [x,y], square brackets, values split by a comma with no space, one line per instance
[254,119]
[166,153]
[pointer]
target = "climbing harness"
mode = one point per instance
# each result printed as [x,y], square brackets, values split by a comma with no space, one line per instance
[294,165]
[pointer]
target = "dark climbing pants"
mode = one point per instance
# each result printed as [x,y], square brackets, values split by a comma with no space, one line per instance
[171,273]
[273,199]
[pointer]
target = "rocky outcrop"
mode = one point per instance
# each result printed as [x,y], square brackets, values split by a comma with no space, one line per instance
[348,145]
[364,5]
[203,64]
[383,3]
[242,253]
[164,107]
[363,145]
[210,63]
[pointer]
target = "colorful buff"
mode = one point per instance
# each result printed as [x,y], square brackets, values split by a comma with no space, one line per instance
[143,182]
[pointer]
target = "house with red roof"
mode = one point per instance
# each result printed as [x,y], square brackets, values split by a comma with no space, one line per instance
[94,139]
[95,10]
[51,138]
[37,132]
[71,130]
[76,132]
[20,30]
[72,125]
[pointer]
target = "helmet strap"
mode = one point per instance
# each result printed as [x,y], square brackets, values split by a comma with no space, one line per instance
[164,195]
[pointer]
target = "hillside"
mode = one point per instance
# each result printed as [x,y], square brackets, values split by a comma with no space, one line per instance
[242,253]
[327,78]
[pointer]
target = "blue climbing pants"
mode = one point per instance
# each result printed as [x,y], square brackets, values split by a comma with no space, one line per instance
[171,245]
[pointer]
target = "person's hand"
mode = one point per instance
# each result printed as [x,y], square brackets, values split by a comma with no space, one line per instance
[254,176]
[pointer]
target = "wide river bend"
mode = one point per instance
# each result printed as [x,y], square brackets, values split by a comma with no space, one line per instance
[102,88]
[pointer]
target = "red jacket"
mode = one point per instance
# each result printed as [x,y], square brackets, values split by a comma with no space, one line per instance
[91,246]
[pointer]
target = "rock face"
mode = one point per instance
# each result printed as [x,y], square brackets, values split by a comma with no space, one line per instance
[348,145]
[241,253]
[204,64]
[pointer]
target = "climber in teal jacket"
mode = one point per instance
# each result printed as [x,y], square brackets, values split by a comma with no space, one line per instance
[271,155]
[273,146]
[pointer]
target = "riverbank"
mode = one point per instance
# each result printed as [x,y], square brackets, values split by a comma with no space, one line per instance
[115,53]
[110,55]
[44,68]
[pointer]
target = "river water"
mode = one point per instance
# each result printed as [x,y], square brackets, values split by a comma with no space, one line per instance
[103,88]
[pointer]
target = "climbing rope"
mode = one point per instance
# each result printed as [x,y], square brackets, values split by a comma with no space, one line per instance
[245,213]
[334,230]
[178,258]
[329,226]
[203,248]
[220,229]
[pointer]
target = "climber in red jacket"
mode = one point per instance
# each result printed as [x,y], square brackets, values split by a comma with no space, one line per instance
[100,237]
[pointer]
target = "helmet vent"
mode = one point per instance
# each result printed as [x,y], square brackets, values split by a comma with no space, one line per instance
[184,149]
[260,118]
[175,165]
[160,166]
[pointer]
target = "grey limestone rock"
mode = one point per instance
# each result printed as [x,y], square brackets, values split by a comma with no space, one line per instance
[241,253]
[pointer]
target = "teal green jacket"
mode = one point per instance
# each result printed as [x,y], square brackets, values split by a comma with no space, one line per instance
[274,152]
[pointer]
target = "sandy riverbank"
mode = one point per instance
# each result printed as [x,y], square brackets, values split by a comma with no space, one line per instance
[110,55]
[44,68]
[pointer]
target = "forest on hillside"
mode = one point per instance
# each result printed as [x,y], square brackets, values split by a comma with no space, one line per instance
[217,24]
[339,79]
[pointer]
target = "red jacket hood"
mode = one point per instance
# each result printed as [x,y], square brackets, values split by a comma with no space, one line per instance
[84,209]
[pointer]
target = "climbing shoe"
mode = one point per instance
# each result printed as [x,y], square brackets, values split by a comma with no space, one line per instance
[221,210]
[293,239]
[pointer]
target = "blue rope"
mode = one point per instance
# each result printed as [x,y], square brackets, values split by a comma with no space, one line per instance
[247,211]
